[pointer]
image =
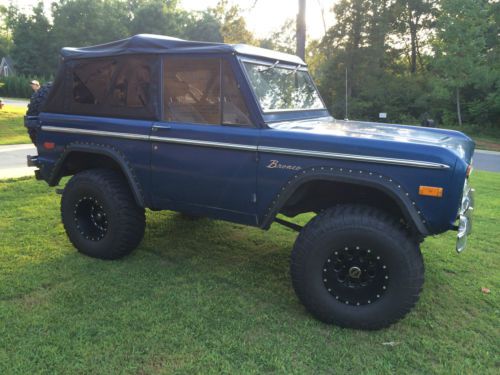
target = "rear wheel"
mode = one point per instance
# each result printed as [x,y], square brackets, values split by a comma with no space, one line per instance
[100,215]
[354,266]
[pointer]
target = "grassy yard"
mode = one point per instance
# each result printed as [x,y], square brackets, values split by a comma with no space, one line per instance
[209,297]
[12,130]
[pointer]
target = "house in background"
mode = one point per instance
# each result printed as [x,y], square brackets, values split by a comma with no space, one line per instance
[7,67]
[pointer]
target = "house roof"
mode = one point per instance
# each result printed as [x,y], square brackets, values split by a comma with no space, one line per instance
[159,44]
[7,60]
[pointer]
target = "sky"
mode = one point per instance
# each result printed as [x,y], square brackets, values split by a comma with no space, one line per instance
[269,15]
[262,18]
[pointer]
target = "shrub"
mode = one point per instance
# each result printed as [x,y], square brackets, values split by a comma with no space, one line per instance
[18,86]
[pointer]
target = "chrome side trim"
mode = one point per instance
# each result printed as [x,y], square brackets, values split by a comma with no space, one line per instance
[100,133]
[196,142]
[353,157]
[141,137]
[236,146]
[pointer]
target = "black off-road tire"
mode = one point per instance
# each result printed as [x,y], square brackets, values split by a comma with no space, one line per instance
[356,267]
[100,215]
[35,105]
[38,99]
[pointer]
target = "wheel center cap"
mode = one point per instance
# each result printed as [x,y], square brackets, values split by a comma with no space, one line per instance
[355,272]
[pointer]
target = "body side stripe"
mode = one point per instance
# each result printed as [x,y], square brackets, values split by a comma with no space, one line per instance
[267,149]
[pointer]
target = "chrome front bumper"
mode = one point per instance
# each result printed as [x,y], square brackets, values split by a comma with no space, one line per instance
[465,217]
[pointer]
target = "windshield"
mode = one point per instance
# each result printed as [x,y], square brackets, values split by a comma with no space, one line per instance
[279,88]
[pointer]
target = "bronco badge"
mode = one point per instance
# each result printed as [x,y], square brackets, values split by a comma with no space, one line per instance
[276,164]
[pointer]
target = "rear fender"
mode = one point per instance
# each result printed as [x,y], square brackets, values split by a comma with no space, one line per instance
[98,149]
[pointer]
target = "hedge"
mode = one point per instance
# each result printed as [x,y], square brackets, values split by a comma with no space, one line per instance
[19,86]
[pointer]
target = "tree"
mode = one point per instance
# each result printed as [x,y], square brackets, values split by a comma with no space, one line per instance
[88,22]
[233,26]
[5,38]
[159,17]
[413,19]
[488,108]
[32,48]
[203,26]
[283,39]
[359,46]
[460,45]
[345,41]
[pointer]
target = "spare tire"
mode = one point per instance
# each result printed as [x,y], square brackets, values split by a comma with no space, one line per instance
[38,99]
[35,105]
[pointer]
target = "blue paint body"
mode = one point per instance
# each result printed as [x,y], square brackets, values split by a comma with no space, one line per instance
[240,185]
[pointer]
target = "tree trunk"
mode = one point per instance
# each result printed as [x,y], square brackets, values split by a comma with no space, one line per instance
[459,115]
[301,30]
[413,38]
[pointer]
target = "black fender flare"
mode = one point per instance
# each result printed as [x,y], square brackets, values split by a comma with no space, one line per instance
[385,184]
[99,149]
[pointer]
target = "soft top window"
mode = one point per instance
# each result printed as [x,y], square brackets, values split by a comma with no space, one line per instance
[131,87]
[234,109]
[192,90]
[121,86]
[91,81]
[202,91]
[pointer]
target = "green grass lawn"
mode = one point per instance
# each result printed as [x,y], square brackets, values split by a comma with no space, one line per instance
[209,297]
[12,130]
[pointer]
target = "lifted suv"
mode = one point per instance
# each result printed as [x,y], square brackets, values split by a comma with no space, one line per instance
[239,133]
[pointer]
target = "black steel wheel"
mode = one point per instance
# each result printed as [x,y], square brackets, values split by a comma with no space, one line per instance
[91,218]
[356,267]
[100,215]
[355,275]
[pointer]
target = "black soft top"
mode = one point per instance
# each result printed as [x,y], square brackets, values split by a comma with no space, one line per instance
[159,44]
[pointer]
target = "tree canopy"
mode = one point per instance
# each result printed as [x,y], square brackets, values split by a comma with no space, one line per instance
[409,58]
[412,59]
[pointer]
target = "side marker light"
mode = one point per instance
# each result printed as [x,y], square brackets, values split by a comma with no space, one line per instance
[430,191]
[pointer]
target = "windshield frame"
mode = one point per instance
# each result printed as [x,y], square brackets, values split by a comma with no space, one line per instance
[271,114]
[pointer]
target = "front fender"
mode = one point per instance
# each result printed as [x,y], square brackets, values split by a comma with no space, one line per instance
[385,184]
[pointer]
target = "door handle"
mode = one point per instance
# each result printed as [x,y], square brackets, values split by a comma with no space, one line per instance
[161,127]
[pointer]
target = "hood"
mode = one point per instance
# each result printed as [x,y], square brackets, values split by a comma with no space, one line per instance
[455,141]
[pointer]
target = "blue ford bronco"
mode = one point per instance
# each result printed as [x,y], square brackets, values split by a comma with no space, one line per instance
[239,133]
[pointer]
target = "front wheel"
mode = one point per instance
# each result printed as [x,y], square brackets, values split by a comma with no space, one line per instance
[354,266]
[100,215]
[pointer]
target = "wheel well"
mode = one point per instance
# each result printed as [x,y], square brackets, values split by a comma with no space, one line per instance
[314,196]
[77,161]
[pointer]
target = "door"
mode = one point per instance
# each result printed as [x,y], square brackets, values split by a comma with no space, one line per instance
[204,157]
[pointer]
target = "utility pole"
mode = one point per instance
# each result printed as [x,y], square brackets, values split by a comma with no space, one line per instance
[346,96]
[301,30]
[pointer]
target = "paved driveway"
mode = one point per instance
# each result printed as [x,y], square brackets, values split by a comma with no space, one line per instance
[487,161]
[16,102]
[13,161]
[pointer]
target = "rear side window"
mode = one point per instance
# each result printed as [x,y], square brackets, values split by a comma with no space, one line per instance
[91,81]
[202,91]
[115,87]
